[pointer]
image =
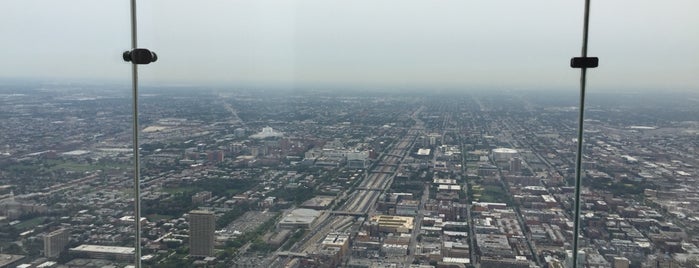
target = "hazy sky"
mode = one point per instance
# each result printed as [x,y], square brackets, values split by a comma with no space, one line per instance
[510,44]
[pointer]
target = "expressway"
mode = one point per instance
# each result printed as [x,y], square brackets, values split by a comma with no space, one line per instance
[361,201]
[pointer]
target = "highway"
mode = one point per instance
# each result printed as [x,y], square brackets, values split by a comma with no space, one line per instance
[362,200]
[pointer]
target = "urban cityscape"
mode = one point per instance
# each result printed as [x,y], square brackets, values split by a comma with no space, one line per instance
[254,177]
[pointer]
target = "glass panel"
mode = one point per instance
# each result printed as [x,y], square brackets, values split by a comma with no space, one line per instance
[211,187]
[66,137]
[309,133]
[323,133]
[641,137]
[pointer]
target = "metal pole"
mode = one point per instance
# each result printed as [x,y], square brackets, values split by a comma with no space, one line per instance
[136,154]
[578,156]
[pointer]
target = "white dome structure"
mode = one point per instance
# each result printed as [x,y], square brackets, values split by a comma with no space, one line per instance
[503,154]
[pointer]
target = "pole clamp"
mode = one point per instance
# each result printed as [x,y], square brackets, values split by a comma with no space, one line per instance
[584,62]
[140,56]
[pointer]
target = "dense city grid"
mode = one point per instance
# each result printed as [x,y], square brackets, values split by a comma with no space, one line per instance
[319,178]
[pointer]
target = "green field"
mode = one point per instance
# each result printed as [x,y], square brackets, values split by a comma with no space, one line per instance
[29,224]
[490,193]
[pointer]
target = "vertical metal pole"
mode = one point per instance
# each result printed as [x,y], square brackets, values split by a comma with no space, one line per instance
[136,154]
[578,156]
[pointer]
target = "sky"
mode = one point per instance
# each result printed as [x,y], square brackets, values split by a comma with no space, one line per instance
[642,44]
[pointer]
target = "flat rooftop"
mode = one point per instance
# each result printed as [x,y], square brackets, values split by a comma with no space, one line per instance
[104,249]
[7,259]
[300,215]
[424,151]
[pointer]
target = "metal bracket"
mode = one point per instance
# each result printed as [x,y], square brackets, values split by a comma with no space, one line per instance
[140,56]
[584,62]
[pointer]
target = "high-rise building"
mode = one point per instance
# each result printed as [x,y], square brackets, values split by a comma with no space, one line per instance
[515,165]
[55,242]
[433,138]
[202,225]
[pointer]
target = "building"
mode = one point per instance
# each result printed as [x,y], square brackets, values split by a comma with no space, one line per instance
[582,256]
[215,156]
[337,240]
[267,132]
[13,208]
[299,218]
[394,250]
[515,165]
[201,197]
[104,252]
[621,262]
[503,154]
[55,242]
[485,170]
[393,224]
[8,260]
[664,262]
[495,246]
[239,132]
[202,225]
[407,207]
[357,160]
[319,202]
[423,152]
[278,238]
[518,262]
[433,138]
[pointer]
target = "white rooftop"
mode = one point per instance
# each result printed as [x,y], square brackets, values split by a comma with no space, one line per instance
[104,249]
[424,151]
[301,215]
[267,132]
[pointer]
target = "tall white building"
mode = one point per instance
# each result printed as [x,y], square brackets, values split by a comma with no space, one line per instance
[55,242]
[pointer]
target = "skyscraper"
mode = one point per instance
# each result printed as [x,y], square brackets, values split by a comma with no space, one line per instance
[202,225]
[55,242]
[515,165]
